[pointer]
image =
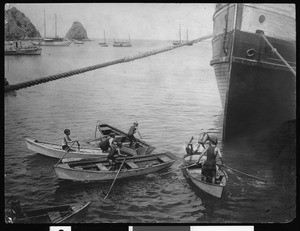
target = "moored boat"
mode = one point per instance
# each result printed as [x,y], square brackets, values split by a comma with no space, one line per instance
[194,175]
[257,89]
[99,170]
[142,147]
[71,213]
[56,151]
[18,48]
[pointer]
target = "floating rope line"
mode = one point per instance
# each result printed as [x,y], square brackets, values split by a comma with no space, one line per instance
[94,67]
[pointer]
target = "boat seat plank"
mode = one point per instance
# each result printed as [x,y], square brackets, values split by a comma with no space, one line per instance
[101,167]
[164,158]
[54,215]
[132,165]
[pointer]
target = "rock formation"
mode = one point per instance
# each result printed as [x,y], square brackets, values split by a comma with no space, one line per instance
[77,32]
[18,26]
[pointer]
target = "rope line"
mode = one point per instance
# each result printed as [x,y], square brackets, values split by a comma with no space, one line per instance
[98,66]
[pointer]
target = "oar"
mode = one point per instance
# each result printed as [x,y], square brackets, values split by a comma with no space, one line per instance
[177,169]
[246,174]
[65,153]
[115,179]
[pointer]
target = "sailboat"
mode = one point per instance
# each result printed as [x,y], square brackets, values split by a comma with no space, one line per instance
[178,42]
[104,44]
[122,43]
[53,41]
[187,38]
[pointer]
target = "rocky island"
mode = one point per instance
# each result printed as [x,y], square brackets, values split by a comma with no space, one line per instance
[18,26]
[77,32]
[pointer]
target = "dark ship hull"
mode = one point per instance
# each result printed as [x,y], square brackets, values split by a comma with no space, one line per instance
[256,88]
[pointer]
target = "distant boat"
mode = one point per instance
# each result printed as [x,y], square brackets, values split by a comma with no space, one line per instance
[122,43]
[178,42]
[104,44]
[77,41]
[53,41]
[19,48]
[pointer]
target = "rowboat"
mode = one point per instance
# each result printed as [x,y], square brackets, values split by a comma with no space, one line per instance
[72,213]
[142,147]
[56,151]
[99,170]
[194,174]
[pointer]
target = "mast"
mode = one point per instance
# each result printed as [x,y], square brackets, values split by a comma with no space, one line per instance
[104,37]
[44,25]
[55,26]
[129,38]
[187,35]
[180,33]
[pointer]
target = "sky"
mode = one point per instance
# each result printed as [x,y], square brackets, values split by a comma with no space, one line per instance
[159,21]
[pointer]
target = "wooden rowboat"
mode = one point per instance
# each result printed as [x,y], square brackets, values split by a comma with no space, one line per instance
[194,174]
[142,147]
[56,151]
[73,213]
[98,170]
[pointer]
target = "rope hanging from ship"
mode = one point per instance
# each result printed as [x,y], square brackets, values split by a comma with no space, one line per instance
[9,88]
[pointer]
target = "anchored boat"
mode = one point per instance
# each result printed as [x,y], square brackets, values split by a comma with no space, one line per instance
[99,170]
[56,151]
[141,148]
[257,88]
[72,213]
[194,175]
[17,48]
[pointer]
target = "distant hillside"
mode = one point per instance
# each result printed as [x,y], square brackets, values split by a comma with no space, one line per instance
[18,26]
[77,32]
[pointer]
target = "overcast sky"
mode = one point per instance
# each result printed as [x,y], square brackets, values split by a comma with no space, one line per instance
[140,20]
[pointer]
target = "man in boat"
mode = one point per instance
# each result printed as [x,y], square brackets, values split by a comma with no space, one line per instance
[209,167]
[66,140]
[132,130]
[114,150]
[200,146]
[106,144]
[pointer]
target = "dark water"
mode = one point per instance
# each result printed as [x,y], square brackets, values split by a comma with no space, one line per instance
[173,95]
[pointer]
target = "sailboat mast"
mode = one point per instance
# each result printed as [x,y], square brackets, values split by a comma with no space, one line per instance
[187,35]
[180,33]
[104,37]
[55,26]
[45,33]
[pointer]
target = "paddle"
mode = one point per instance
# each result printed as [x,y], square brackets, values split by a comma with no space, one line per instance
[246,174]
[65,153]
[114,179]
[177,169]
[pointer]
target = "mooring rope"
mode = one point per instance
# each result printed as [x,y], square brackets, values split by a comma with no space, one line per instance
[30,83]
[274,50]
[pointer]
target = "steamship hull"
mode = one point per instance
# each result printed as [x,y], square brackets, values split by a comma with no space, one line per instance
[256,88]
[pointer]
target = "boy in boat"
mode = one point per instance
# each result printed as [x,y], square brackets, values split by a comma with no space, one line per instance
[114,150]
[66,140]
[133,129]
[106,144]
[209,167]
[200,147]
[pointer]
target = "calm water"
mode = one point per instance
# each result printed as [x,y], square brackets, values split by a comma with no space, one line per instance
[173,95]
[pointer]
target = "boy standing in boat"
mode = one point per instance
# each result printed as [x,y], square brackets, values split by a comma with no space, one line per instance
[66,140]
[133,129]
[209,167]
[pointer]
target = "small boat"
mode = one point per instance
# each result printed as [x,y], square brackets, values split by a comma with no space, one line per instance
[99,170]
[56,151]
[18,48]
[72,213]
[142,147]
[123,43]
[77,41]
[104,44]
[194,174]
[178,42]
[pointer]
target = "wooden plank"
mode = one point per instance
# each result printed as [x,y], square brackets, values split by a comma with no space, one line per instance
[101,167]
[164,158]
[132,165]
[54,215]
